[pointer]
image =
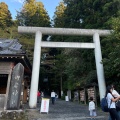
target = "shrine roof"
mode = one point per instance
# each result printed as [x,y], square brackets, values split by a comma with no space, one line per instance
[11,51]
[10,47]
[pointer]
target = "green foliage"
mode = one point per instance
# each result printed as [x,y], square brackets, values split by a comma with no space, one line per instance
[92,14]
[5,16]
[33,14]
[58,20]
[112,59]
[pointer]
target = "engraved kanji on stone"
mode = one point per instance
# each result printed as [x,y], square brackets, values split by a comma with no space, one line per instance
[16,92]
[17,77]
[13,101]
[16,85]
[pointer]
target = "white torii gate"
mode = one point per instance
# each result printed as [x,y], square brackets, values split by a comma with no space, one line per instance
[38,31]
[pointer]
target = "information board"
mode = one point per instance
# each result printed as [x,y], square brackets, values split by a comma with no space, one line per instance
[45,105]
[91,93]
[82,95]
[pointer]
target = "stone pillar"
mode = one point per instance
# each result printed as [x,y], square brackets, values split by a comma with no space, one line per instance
[61,86]
[69,94]
[99,65]
[35,70]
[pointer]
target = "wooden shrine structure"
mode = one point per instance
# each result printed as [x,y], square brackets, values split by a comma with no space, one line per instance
[11,53]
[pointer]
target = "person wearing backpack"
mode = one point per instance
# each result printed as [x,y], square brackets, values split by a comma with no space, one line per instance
[111,103]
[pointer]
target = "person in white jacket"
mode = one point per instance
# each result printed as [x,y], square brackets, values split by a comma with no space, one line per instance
[92,108]
[53,97]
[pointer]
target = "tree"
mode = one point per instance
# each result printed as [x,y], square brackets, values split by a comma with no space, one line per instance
[58,20]
[5,16]
[112,51]
[90,14]
[33,14]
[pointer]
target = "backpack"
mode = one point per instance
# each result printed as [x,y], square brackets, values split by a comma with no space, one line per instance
[104,105]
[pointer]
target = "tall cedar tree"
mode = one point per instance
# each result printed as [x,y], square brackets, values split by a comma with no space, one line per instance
[33,14]
[5,16]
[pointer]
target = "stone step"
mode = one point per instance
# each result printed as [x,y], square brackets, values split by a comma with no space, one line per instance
[73,118]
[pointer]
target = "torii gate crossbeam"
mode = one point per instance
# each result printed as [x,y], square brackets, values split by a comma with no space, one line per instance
[67,45]
[64,31]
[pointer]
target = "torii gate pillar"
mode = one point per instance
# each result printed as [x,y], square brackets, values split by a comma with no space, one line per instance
[99,65]
[35,71]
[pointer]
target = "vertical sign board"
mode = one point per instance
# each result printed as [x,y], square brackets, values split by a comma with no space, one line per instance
[91,92]
[82,96]
[45,105]
[13,101]
[76,96]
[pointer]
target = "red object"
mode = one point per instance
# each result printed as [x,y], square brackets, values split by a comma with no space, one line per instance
[38,93]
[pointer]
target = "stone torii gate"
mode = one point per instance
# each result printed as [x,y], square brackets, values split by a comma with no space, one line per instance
[38,31]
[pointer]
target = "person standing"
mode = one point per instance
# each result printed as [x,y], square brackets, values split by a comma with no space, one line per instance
[115,94]
[92,108]
[53,97]
[111,103]
[38,96]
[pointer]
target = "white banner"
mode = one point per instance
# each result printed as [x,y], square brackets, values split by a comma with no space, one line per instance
[45,105]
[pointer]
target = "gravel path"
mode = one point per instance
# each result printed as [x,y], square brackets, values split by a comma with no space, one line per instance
[63,110]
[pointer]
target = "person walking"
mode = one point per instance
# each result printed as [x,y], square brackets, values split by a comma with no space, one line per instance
[111,103]
[92,108]
[53,97]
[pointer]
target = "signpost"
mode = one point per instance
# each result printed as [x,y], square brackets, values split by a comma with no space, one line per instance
[45,105]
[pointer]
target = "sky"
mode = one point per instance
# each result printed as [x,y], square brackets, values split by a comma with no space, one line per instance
[16,5]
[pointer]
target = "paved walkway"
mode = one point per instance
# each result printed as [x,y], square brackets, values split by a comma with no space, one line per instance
[63,110]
